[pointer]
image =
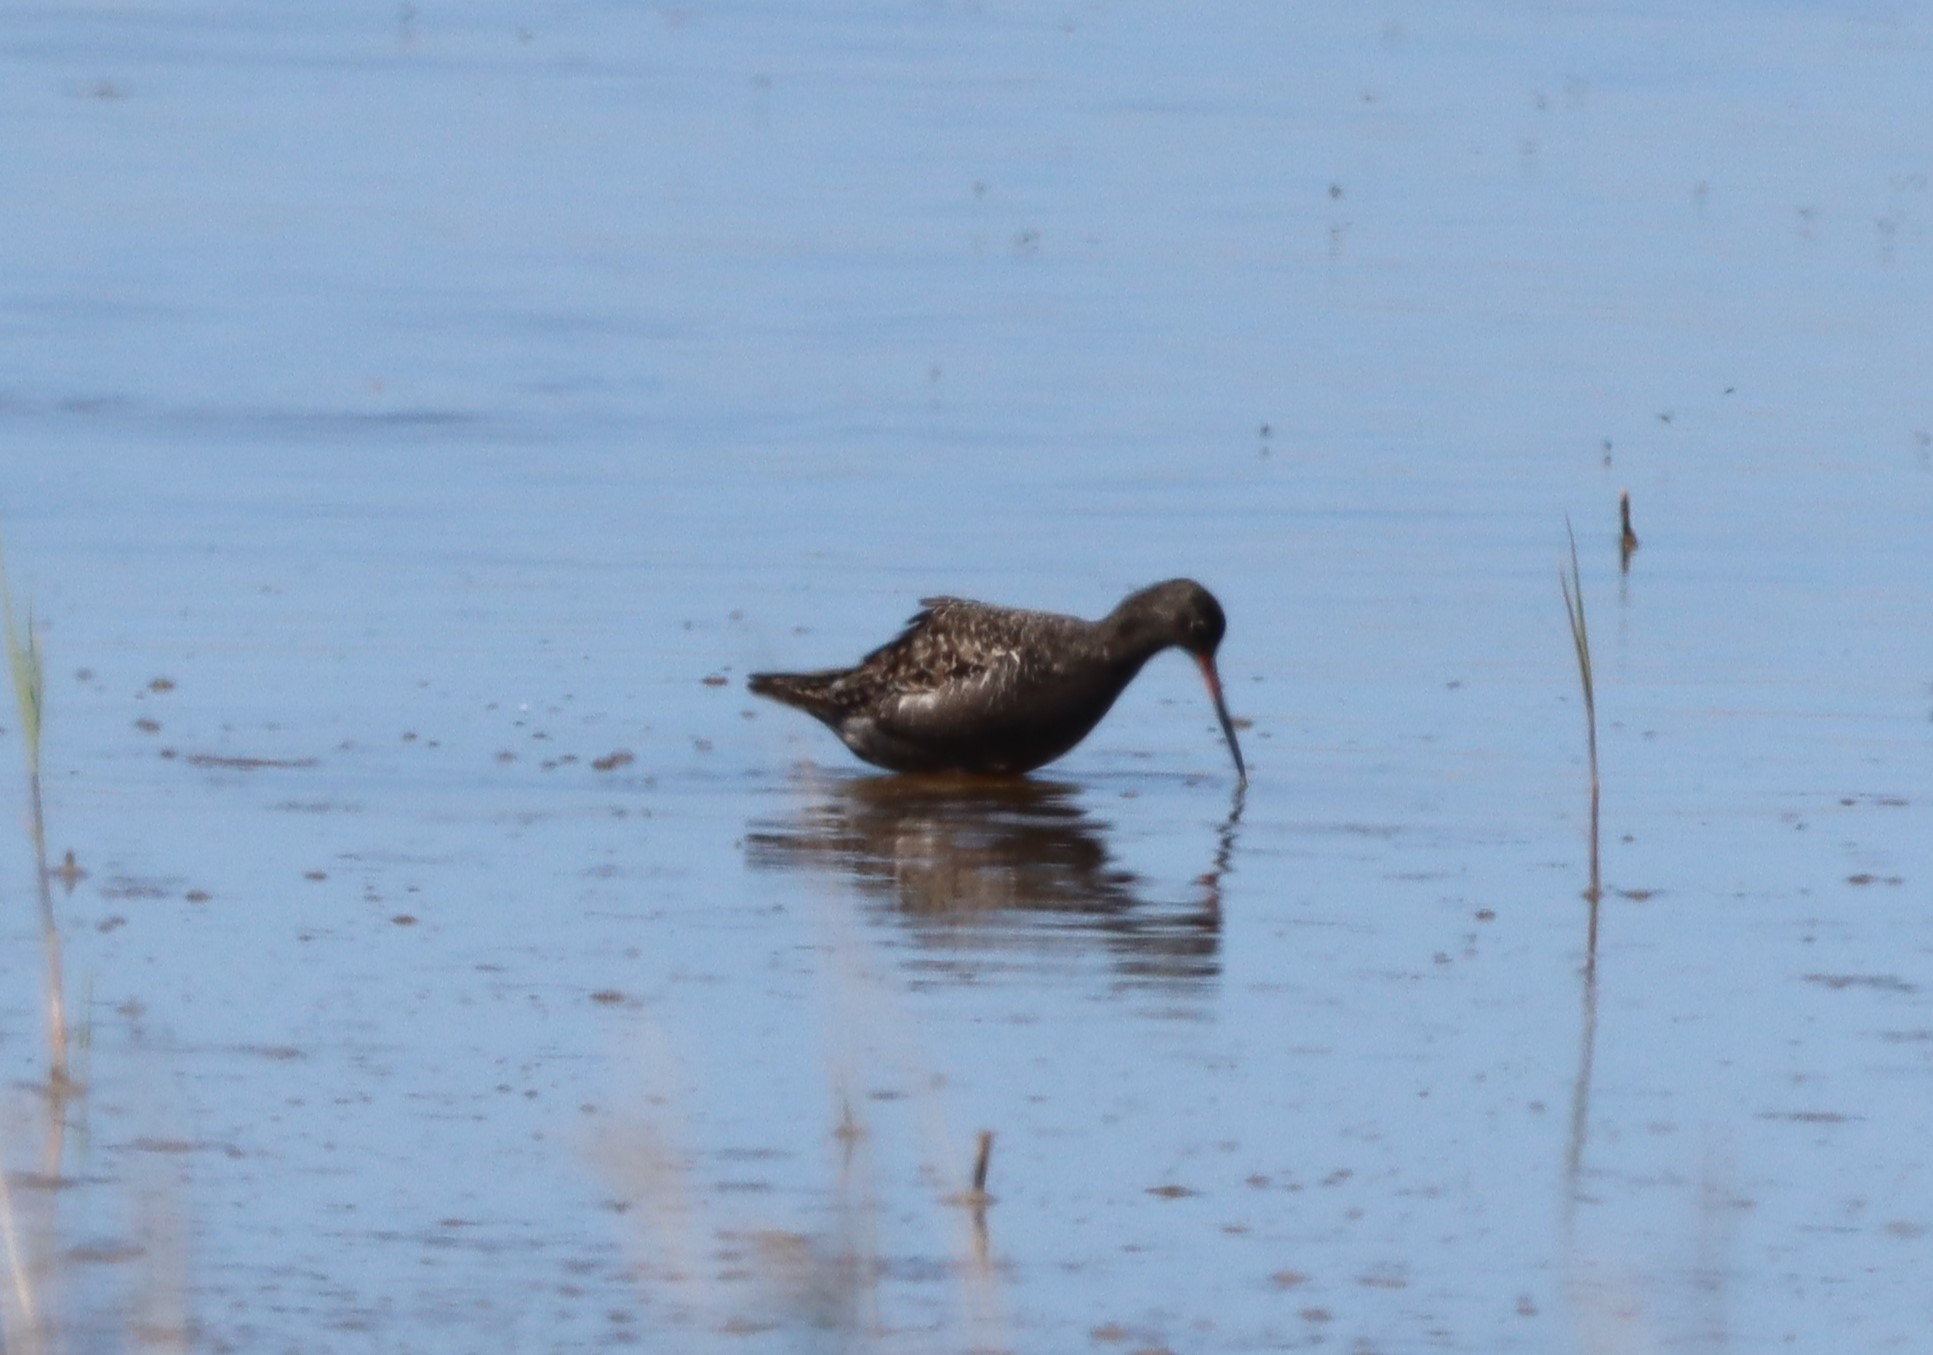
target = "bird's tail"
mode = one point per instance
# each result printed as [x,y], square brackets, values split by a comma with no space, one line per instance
[809,692]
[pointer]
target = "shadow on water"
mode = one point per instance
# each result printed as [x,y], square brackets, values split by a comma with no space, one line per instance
[975,865]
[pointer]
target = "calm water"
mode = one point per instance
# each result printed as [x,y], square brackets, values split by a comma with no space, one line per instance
[442,398]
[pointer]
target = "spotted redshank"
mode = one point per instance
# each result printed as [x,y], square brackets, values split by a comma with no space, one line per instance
[969,687]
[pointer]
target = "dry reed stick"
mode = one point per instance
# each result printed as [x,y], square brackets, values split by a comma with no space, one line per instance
[1627,539]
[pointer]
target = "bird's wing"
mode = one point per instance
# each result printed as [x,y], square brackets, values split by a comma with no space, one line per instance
[951,640]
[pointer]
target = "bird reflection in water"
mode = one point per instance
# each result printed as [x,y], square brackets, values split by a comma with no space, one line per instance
[975,864]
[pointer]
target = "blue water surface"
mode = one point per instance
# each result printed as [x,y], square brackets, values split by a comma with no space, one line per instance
[442,398]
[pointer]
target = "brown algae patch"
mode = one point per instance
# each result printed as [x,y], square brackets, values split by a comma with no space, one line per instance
[246,764]
[1883,983]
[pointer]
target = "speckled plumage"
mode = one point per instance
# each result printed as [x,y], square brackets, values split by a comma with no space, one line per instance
[976,688]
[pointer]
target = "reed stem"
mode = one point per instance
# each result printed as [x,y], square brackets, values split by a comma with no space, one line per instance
[29,691]
[1573,586]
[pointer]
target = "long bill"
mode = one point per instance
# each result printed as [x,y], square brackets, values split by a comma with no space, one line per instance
[1207,662]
